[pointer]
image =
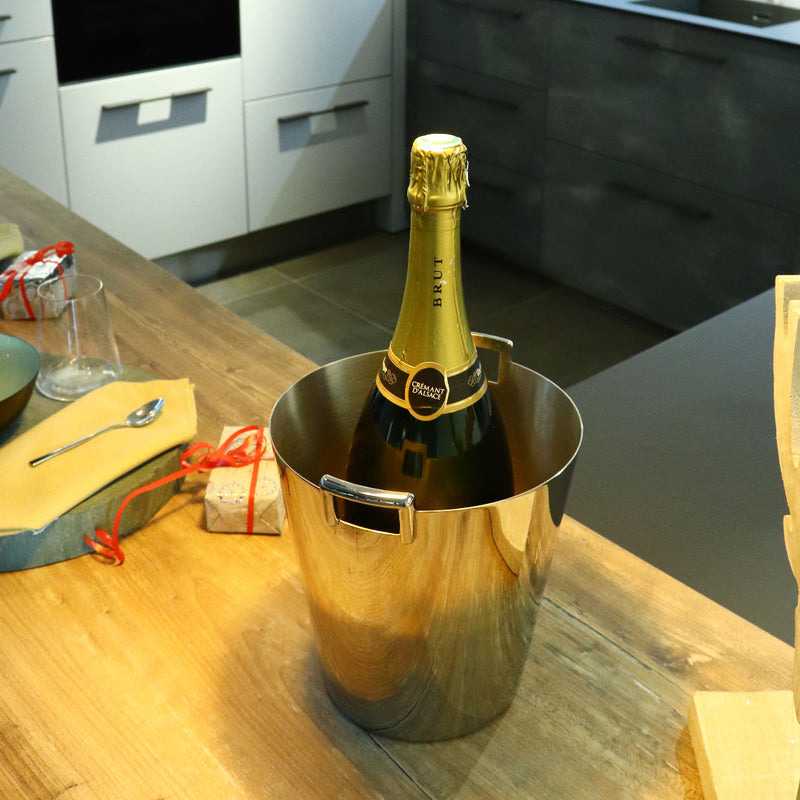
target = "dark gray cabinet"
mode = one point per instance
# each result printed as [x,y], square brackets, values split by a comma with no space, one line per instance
[508,39]
[504,213]
[709,106]
[501,122]
[652,163]
[664,248]
[673,166]
[481,73]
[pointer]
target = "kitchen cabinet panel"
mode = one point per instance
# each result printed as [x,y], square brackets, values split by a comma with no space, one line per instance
[306,44]
[30,145]
[659,159]
[314,151]
[708,106]
[504,213]
[481,73]
[501,122]
[671,251]
[157,158]
[24,19]
[503,38]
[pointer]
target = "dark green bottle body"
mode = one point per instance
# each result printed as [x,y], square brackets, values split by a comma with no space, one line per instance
[456,460]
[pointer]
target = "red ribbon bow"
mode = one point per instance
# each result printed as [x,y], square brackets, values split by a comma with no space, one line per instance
[59,249]
[107,544]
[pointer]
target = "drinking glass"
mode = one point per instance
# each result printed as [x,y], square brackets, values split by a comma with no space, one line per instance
[74,337]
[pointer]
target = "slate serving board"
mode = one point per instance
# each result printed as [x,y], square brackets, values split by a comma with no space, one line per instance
[63,538]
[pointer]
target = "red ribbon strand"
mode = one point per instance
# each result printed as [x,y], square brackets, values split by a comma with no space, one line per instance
[250,451]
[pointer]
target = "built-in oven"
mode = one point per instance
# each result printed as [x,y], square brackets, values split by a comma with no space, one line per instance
[102,38]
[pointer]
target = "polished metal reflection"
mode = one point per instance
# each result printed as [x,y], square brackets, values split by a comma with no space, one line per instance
[425,637]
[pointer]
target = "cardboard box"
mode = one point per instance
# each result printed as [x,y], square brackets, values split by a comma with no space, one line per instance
[228,493]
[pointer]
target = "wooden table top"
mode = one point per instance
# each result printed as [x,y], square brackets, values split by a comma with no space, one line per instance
[190,671]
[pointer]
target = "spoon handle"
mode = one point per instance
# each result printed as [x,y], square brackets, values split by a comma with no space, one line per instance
[63,449]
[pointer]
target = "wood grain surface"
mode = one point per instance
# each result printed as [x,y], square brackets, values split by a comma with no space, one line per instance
[190,671]
[747,744]
[787,423]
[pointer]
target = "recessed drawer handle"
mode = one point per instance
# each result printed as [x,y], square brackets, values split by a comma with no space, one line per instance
[497,12]
[173,96]
[685,209]
[7,71]
[647,44]
[332,110]
[5,17]
[495,101]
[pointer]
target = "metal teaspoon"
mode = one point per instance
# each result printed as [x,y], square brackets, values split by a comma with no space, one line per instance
[142,416]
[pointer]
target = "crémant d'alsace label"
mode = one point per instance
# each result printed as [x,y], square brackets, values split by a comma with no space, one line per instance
[427,390]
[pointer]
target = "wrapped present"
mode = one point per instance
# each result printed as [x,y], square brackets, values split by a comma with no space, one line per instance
[245,499]
[19,281]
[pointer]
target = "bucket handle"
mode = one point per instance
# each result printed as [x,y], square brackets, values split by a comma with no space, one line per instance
[346,490]
[502,346]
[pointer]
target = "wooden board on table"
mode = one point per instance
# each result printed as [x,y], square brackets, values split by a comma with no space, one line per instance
[63,538]
[747,744]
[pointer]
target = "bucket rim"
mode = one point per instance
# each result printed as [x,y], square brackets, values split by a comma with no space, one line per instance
[378,354]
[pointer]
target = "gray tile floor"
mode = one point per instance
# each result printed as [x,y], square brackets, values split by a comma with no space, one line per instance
[344,300]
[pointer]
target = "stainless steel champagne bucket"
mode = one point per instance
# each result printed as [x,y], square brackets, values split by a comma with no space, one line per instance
[423,635]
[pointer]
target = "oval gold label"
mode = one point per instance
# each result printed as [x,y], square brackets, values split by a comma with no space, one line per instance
[427,390]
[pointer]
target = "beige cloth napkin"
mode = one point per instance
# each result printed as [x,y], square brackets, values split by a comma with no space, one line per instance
[35,496]
[10,241]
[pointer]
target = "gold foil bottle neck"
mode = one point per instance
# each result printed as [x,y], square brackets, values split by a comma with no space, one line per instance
[438,172]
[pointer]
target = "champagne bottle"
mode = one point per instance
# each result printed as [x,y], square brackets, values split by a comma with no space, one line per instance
[429,425]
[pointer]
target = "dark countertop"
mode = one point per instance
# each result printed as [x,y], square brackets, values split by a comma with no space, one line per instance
[680,464]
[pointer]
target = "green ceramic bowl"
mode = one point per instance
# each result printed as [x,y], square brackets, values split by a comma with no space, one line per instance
[19,365]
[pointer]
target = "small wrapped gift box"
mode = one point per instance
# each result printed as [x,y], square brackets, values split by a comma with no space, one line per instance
[19,281]
[236,495]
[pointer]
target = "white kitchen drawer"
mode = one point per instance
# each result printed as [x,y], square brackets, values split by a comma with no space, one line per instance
[30,145]
[309,44]
[315,151]
[156,159]
[25,19]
